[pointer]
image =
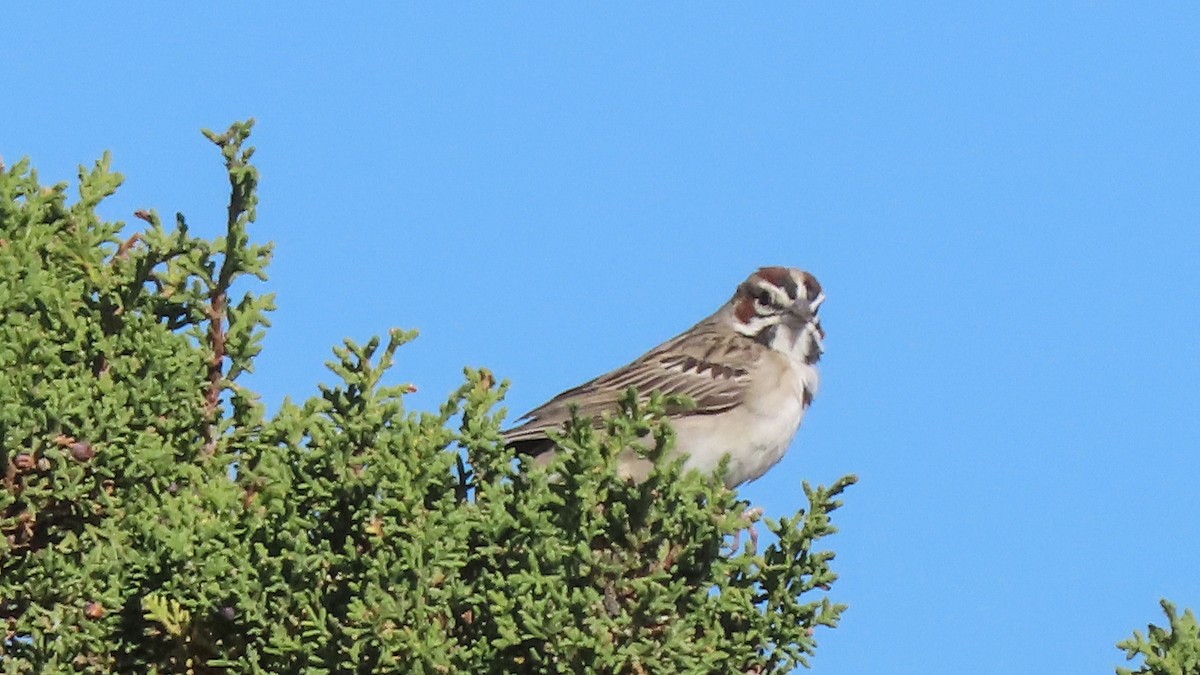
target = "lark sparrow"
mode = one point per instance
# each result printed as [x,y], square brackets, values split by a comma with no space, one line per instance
[750,368]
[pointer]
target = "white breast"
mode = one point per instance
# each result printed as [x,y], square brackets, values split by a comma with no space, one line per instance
[755,434]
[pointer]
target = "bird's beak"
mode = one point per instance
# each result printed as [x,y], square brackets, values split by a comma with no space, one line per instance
[805,310]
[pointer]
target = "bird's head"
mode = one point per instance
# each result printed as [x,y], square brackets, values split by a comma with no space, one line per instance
[778,306]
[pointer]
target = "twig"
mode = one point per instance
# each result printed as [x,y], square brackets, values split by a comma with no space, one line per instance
[230,143]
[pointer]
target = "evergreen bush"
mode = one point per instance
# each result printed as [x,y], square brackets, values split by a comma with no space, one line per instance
[154,518]
[1174,650]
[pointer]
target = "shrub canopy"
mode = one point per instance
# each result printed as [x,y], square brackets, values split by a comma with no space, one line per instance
[155,518]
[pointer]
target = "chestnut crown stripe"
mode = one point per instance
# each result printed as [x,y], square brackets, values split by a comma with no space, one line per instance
[781,277]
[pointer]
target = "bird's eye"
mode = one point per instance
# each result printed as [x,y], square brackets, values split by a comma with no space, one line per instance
[764,298]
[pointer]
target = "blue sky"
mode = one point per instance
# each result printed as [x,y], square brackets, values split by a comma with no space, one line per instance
[1000,199]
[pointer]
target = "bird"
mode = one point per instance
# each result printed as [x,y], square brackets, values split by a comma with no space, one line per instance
[750,368]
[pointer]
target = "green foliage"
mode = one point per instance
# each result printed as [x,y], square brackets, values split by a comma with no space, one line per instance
[1171,651]
[154,518]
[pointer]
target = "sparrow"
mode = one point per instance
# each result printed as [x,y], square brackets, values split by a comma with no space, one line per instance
[750,368]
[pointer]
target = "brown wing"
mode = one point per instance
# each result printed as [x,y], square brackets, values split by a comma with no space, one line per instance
[707,366]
